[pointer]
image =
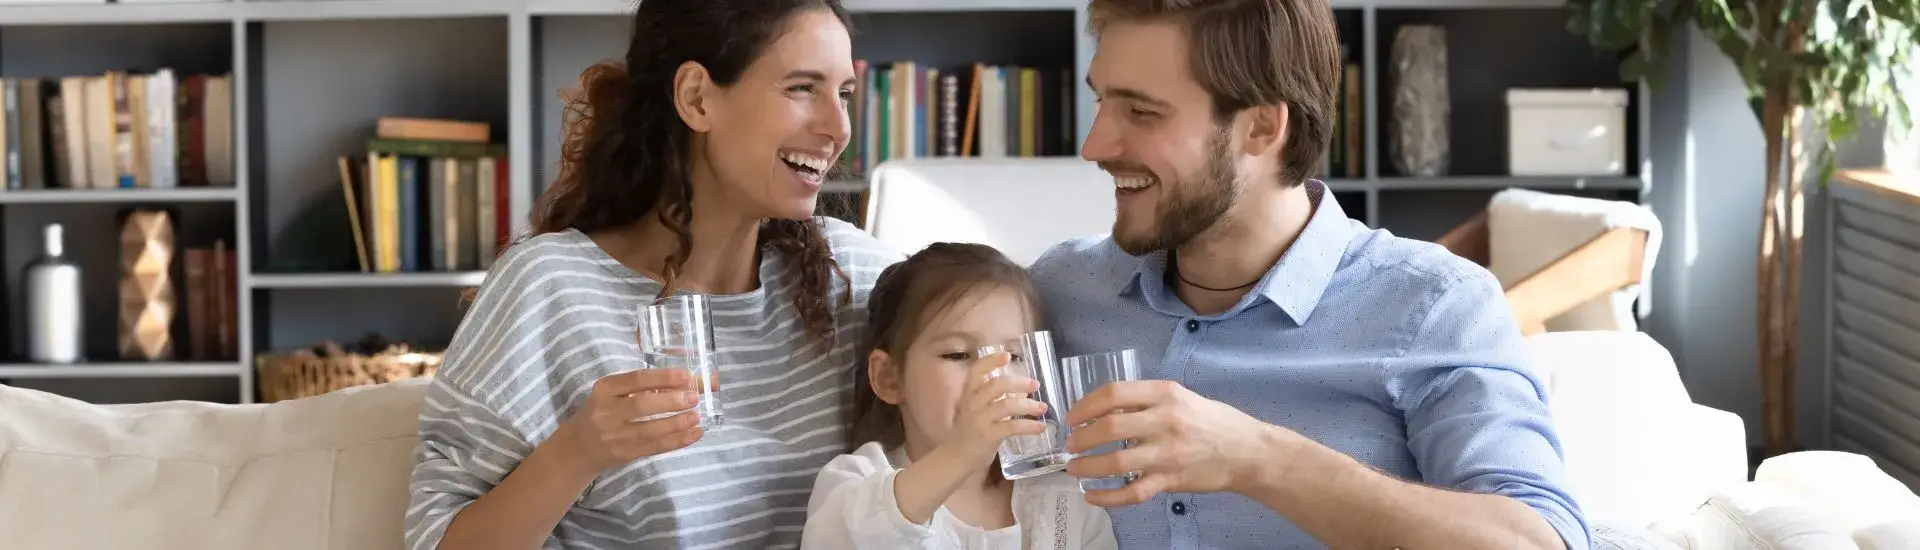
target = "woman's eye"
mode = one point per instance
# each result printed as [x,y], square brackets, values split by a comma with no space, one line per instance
[1014,357]
[956,356]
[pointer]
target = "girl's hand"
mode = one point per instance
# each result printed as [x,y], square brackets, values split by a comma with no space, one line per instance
[608,431]
[992,408]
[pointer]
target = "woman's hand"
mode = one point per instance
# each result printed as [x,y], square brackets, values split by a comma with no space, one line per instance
[991,409]
[608,431]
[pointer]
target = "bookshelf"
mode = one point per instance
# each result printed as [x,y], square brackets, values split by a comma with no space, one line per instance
[309,78]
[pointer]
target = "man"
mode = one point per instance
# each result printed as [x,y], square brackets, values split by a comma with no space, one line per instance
[1310,381]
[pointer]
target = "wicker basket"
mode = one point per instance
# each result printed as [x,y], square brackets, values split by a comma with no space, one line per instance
[329,367]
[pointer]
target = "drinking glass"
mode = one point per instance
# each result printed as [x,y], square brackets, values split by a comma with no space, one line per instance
[1023,456]
[677,333]
[1083,374]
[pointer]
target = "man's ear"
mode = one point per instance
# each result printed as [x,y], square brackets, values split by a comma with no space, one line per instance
[1265,130]
[692,95]
[883,376]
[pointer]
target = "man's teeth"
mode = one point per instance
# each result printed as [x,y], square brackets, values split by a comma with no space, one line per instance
[817,164]
[1132,182]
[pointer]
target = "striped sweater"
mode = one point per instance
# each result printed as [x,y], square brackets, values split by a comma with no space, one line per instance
[556,313]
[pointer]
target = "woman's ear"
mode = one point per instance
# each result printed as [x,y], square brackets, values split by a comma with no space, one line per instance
[692,95]
[884,376]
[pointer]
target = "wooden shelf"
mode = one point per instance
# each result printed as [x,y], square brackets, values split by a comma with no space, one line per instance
[365,280]
[107,14]
[85,196]
[625,7]
[1884,183]
[121,370]
[285,10]
[1543,183]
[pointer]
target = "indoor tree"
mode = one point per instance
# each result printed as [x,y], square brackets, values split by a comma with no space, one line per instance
[1813,70]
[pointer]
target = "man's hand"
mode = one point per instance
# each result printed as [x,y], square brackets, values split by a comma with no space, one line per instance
[1181,442]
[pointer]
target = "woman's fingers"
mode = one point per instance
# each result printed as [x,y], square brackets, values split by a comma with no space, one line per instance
[644,380]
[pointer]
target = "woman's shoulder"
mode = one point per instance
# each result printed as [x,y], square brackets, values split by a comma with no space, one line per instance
[857,252]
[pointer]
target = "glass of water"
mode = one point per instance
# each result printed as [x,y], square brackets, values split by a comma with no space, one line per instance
[677,333]
[1082,375]
[1023,456]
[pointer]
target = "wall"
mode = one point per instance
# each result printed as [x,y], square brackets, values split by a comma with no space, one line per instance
[1707,188]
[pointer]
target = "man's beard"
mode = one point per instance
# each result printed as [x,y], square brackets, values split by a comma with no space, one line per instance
[1194,204]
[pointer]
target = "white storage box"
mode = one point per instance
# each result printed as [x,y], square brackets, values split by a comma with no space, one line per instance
[1566,132]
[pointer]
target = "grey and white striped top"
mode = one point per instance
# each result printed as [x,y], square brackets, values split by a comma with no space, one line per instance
[555,314]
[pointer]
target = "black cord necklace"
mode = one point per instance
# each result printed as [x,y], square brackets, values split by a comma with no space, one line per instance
[1174,260]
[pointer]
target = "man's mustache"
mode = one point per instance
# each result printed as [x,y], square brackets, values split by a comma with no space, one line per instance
[1122,168]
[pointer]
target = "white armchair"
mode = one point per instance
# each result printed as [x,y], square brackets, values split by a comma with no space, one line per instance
[1020,206]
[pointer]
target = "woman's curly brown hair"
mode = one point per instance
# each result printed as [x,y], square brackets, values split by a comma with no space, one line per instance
[626,152]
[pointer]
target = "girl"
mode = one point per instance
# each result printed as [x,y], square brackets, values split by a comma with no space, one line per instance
[929,416]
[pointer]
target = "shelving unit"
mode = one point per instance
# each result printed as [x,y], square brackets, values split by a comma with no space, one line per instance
[310,76]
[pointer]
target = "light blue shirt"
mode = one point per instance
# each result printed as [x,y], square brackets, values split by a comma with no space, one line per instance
[1393,351]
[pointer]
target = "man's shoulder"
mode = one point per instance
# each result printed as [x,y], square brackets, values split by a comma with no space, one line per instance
[1081,258]
[1414,266]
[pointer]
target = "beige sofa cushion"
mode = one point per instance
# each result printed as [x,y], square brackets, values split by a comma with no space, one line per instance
[327,472]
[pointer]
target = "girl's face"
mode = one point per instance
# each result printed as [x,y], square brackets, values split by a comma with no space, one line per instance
[927,382]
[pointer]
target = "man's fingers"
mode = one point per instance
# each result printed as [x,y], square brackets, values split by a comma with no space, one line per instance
[1113,428]
[1119,396]
[1140,490]
[1131,459]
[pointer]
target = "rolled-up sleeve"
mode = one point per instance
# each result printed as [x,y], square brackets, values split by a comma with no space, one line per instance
[1476,412]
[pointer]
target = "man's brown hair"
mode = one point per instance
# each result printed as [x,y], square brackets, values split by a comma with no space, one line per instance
[1248,53]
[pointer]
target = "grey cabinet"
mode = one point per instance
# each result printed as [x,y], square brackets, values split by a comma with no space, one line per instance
[1873,268]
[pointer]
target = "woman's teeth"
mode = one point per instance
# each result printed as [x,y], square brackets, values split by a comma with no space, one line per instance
[805,162]
[1132,182]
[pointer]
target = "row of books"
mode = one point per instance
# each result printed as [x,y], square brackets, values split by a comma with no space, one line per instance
[121,129]
[427,195]
[906,109]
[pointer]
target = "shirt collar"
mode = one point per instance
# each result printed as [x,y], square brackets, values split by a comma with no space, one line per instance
[1295,283]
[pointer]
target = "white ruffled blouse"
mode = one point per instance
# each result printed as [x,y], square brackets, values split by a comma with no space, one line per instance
[852,508]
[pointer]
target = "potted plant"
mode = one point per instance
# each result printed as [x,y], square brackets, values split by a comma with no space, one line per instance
[1813,69]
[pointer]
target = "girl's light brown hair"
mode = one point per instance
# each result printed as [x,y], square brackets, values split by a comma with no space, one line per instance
[909,296]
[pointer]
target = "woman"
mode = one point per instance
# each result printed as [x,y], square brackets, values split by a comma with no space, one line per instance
[692,167]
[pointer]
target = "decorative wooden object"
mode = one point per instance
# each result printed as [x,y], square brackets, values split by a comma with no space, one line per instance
[146,287]
[1610,261]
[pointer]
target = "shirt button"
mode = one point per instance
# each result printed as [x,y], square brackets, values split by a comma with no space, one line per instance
[1193,326]
[1179,508]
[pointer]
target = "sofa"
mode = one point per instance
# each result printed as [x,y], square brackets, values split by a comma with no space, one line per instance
[1651,468]
[330,472]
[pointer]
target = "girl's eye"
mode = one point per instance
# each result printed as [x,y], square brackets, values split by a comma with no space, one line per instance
[1014,357]
[956,356]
